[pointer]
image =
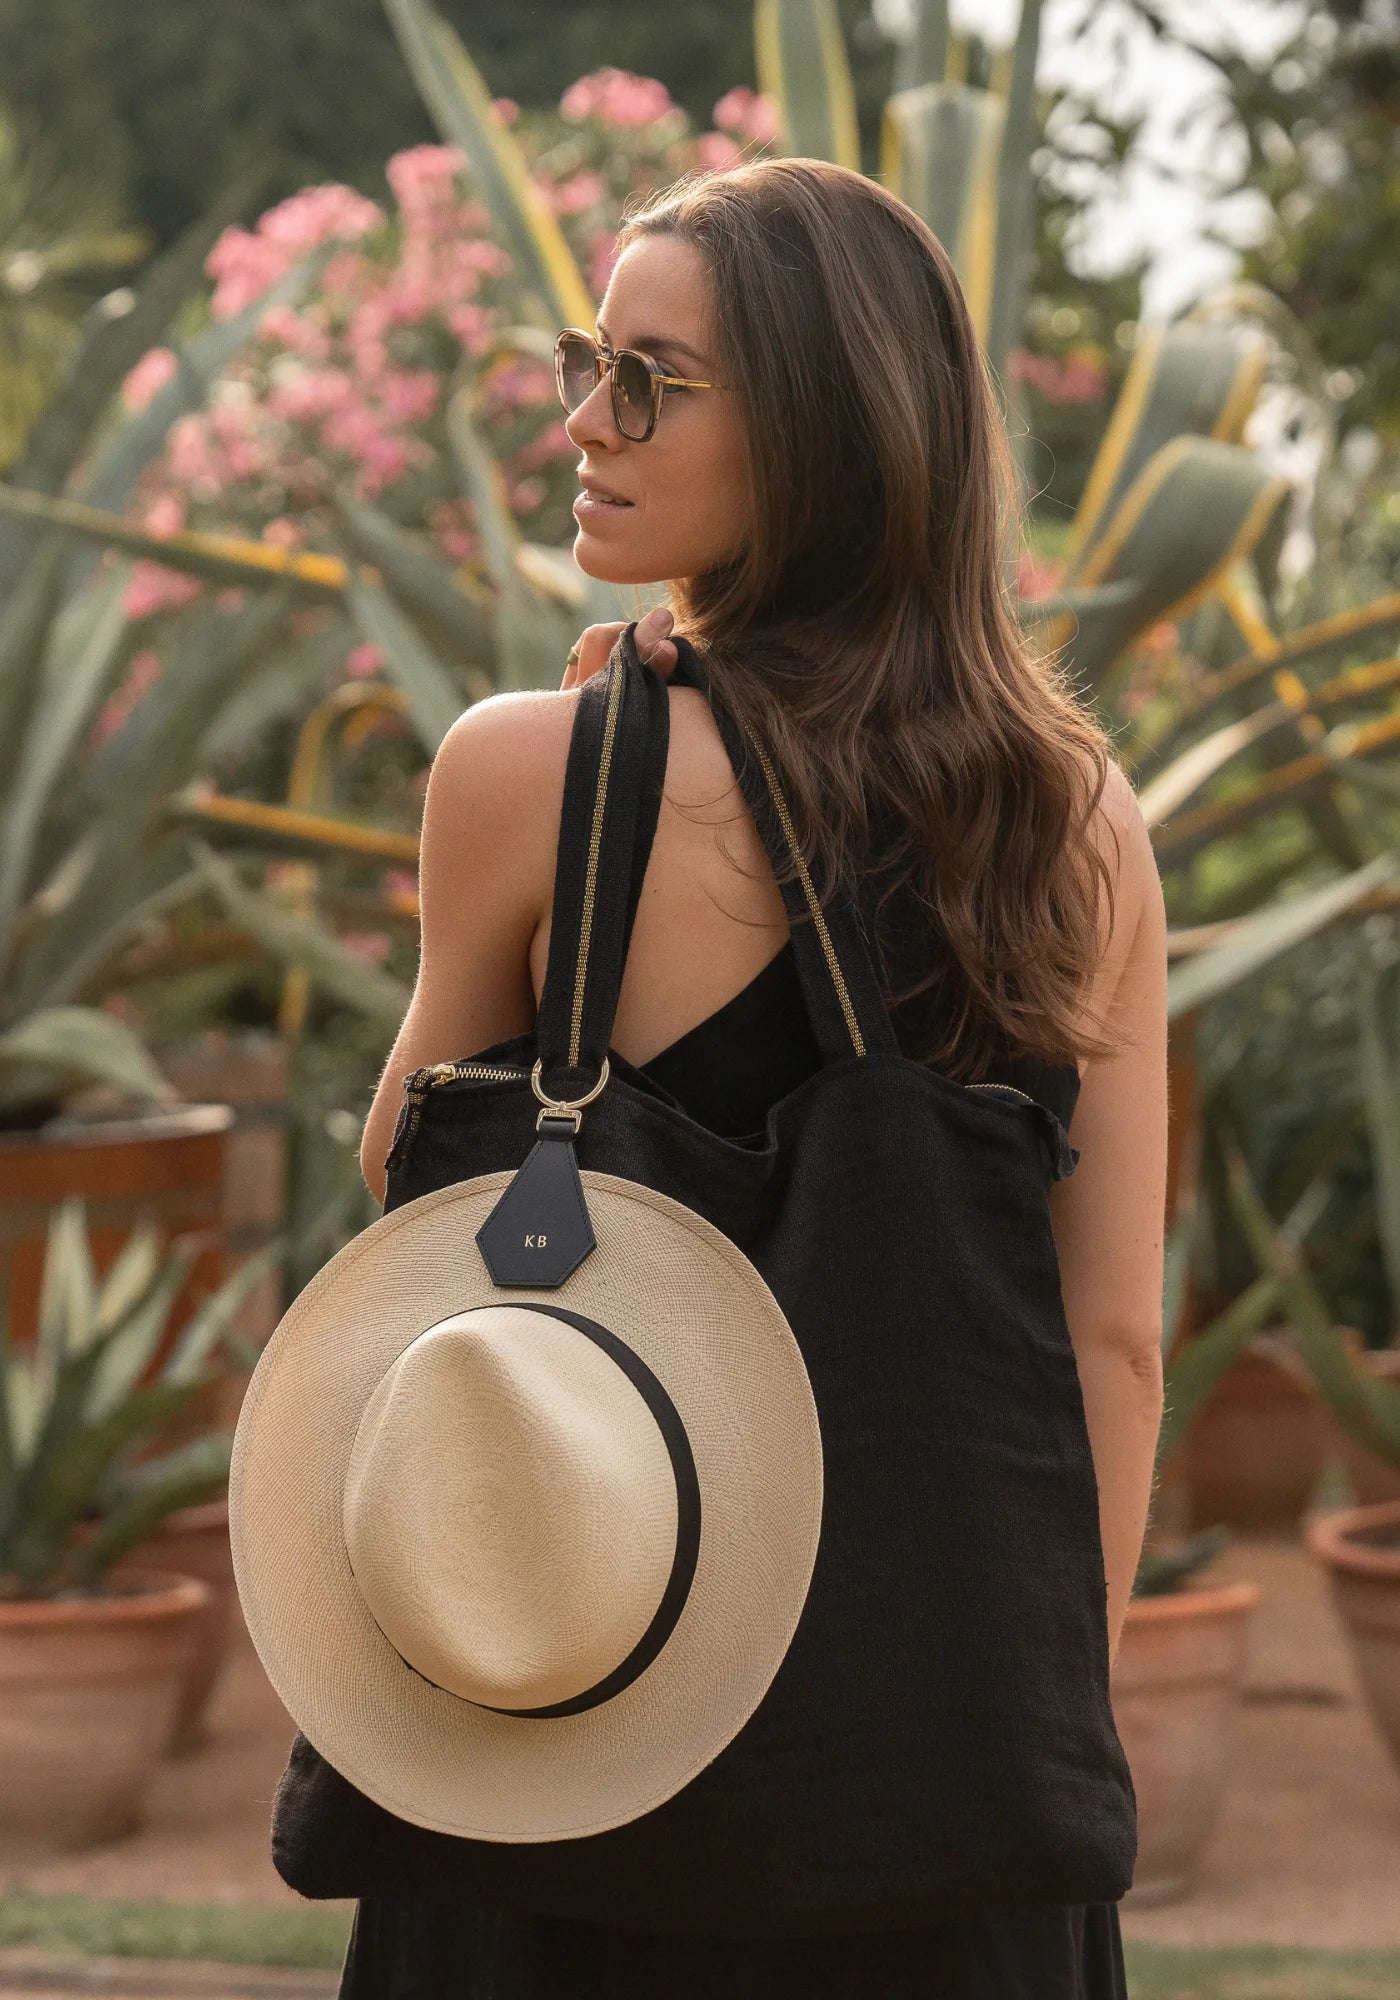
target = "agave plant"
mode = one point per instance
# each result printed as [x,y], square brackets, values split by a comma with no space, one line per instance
[92,777]
[92,1394]
[83,778]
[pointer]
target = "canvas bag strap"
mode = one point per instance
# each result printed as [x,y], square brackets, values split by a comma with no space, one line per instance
[611,804]
[840,987]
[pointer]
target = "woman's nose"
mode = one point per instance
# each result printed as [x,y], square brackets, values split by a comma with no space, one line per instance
[592,422]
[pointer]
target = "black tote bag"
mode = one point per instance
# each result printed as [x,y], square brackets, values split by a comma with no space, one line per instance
[938,1739]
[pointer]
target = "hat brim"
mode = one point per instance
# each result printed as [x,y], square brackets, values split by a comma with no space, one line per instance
[696,1310]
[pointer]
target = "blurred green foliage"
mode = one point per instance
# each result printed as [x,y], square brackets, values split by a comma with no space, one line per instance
[170,101]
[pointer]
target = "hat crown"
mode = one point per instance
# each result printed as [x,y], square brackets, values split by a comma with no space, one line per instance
[509,1508]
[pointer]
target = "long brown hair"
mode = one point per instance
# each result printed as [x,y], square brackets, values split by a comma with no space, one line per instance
[865,632]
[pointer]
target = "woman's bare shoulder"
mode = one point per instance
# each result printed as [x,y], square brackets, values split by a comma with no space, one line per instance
[495,792]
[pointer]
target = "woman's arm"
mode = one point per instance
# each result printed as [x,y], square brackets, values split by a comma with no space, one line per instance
[1108,1216]
[486,859]
[486,873]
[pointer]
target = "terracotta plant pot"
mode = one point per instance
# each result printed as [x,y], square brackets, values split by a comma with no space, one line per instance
[250,1072]
[1255,1449]
[1175,1690]
[1360,1547]
[1373,1480]
[161,1165]
[194,1542]
[88,1687]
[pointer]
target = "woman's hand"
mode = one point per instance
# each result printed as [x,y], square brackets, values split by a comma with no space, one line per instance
[654,649]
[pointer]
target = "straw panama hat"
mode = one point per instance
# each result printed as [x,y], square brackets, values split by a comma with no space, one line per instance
[520,1562]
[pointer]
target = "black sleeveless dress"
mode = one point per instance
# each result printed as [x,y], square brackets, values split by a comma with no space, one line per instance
[726,1072]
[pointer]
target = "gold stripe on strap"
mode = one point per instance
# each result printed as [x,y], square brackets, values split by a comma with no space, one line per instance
[590,883]
[818,917]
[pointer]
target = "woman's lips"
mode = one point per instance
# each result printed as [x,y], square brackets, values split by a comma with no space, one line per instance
[593,506]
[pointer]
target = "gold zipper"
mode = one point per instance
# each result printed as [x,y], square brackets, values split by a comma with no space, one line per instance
[590,882]
[1010,1088]
[417,1086]
[451,1072]
[818,916]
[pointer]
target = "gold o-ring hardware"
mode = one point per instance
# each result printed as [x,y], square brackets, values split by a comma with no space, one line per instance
[554,1106]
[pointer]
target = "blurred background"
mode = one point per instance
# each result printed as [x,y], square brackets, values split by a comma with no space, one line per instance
[284,488]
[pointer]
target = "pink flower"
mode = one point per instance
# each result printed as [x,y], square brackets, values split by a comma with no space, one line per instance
[548,448]
[409,395]
[1083,379]
[364,661]
[141,676]
[717,152]
[317,215]
[283,533]
[154,588]
[582,190]
[522,384]
[233,427]
[189,458]
[616,97]
[149,377]
[458,544]
[425,174]
[1080,377]
[166,515]
[243,267]
[347,273]
[399,882]
[351,427]
[483,256]
[751,114]
[295,331]
[247,263]
[472,327]
[309,395]
[506,109]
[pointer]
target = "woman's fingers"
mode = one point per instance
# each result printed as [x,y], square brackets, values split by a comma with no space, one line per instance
[653,646]
[595,645]
[591,653]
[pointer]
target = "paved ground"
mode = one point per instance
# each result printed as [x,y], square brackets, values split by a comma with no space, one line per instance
[1307,1851]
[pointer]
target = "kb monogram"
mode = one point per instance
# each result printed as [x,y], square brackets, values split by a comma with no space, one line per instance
[535,1242]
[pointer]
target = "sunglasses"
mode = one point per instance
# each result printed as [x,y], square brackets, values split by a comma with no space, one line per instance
[638,384]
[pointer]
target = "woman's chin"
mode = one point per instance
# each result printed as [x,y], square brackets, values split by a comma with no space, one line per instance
[603,559]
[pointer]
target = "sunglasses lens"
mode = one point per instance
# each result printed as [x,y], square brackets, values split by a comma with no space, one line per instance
[632,395]
[576,371]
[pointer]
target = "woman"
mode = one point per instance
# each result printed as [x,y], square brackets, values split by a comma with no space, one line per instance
[810,456]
